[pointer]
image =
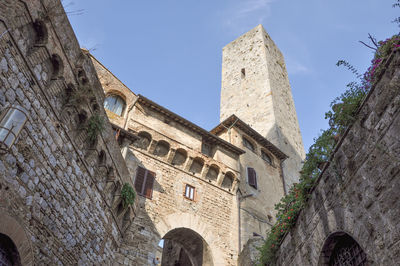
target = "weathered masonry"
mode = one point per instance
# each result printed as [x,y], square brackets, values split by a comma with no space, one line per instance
[59,192]
[204,193]
[353,215]
[255,87]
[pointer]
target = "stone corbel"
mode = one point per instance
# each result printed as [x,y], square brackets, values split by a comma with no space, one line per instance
[188,164]
[204,171]
[171,155]
[220,178]
[152,146]
[235,186]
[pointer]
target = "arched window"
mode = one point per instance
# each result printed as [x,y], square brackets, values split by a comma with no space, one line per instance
[341,249]
[180,157]
[212,173]
[115,104]
[197,166]
[265,156]
[162,148]
[248,144]
[228,181]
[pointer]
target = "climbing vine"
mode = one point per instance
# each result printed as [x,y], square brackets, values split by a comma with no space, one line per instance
[343,113]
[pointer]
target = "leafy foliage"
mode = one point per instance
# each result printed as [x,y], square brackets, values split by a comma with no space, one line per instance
[95,126]
[342,115]
[128,195]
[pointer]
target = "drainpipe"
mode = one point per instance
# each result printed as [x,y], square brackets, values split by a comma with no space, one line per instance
[283,177]
[128,113]
[239,231]
[229,129]
[239,199]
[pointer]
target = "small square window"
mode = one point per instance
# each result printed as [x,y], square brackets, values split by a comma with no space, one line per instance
[189,192]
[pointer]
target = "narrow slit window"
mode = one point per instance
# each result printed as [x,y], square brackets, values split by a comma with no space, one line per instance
[243,71]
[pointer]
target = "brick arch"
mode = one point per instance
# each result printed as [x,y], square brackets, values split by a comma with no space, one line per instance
[11,228]
[193,222]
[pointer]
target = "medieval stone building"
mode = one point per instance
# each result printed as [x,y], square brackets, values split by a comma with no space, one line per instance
[207,193]
[202,197]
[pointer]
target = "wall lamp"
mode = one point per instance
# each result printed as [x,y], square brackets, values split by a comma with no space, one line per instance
[12,120]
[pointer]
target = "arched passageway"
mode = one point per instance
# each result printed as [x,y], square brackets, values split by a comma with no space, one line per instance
[340,249]
[9,255]
[185,247]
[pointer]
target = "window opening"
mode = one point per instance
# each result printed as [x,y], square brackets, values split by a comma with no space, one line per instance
[115,104]
[189,192]
[144,182]
[248,144]
[207,149]
[252,177]
[243,71]
[266,157]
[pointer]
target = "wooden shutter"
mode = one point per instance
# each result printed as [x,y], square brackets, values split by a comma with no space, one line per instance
[252,177]
[139,181]
[148,188]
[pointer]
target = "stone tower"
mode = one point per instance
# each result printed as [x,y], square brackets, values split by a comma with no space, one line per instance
[255,87]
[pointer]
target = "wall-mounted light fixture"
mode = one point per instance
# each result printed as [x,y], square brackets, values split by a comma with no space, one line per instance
[12,120]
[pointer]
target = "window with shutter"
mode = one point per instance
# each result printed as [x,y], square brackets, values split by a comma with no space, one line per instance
[144,182]
[252,177]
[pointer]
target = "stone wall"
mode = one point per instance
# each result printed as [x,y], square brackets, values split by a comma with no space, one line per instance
[206,228]
[59,200]
[255,87]
[358,192]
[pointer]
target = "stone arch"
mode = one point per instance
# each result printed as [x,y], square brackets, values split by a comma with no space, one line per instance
[227,183]
[197,165]
[162,148]
[213,172]
[180,157]
[144,140]
[337,243]
[186,247]
[11,228]
[194,223]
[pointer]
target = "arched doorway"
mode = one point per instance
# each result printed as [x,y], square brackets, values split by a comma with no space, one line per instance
[185,247]
[340,249]
[9,255]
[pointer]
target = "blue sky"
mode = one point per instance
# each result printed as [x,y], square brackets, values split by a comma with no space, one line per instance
[170,51]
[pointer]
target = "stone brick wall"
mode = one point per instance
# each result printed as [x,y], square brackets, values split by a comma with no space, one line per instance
[256,88]
[358,193]
[59,193]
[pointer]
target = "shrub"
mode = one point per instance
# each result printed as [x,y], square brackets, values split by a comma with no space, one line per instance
[128,195]
[95,126]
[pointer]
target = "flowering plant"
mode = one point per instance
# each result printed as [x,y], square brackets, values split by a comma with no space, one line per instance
[342,115]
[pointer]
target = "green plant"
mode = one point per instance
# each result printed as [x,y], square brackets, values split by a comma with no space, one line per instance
[342,115]
[95,125]
[128,195]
